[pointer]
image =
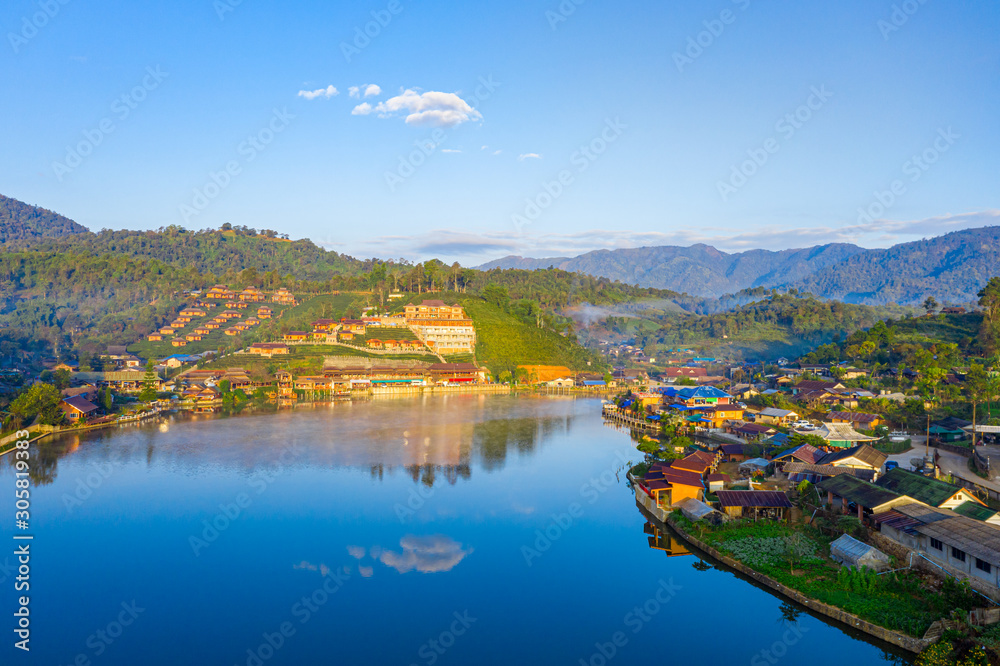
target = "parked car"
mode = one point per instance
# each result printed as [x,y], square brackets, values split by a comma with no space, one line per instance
[803,425]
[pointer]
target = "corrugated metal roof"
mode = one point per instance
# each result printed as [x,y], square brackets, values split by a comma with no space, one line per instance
[897,521]
[976,538]
[764,499]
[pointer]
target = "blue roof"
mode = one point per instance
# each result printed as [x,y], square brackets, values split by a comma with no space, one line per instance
[594,382]
[689,392]
[179,357]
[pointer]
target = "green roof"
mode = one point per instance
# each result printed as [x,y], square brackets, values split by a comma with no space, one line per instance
[855,490]
[921,488]
[974,510]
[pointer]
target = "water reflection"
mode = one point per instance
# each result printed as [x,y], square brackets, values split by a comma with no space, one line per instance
[665,540]
[429,439]
[435,553]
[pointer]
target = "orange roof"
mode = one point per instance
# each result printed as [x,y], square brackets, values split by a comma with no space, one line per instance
[546,373]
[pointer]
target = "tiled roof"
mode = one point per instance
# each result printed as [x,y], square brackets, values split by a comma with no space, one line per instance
[860,492]
[921,488]
[862,452]
[974,510]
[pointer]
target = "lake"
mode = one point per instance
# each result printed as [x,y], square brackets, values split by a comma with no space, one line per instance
[440,530]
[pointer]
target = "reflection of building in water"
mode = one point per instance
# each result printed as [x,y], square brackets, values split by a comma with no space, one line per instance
[665,541]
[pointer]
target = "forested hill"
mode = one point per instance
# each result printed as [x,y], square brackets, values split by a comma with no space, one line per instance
[224,253]
[21,222]
[951,268]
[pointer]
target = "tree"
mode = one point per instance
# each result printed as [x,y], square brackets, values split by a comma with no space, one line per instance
[930,305]
[989,300]
[148,392]
[41,401]
[496,295]
[977,386]
[106,398]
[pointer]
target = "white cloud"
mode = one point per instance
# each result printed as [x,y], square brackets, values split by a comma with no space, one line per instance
[497,152]
[368,90]
[470,246]
[362,109]
[327,92]
[528,156]
[429,109]
[450,150]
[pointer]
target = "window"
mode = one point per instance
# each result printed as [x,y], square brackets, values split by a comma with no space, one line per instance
[958,554]
[983,566]
[937,545]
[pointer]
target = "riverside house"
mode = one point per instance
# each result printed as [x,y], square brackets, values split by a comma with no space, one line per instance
[755,504]
[77,408]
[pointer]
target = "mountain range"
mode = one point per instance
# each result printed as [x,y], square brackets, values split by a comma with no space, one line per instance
[952,268]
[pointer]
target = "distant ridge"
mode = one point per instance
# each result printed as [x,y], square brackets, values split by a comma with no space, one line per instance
[22,222]
[951,268]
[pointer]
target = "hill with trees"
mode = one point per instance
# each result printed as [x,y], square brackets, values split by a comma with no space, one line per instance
[21,222]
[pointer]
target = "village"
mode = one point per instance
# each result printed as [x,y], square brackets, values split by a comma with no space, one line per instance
[834,491]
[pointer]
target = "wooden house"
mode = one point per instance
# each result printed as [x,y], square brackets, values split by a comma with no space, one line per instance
[192,337]
[154,337]
[77,408]
[296,336]
[178,342]
[264,312]
[375,343]
[754,504]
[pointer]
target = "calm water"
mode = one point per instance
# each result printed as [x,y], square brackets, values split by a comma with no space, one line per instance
[386,532]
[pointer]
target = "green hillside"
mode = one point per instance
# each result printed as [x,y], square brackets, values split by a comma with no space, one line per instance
[21,222]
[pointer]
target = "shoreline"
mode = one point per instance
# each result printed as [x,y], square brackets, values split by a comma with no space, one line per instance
[841,617]
[191,408]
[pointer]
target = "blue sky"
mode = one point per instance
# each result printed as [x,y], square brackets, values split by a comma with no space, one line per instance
[556,128]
